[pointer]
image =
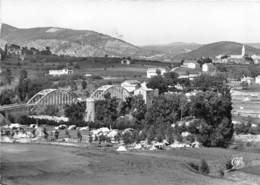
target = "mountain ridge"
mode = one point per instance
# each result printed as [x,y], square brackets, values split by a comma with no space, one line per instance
[219,48]
[68,41]
[84,43]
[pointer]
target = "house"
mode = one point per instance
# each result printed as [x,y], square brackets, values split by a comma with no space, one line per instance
[185,72]
[208,67]
[155,71]
[189,76]
[131,85]
[247,79]
[64,71]
[257,80]
[256,59]
[146,93]
[126,61]
[192,64]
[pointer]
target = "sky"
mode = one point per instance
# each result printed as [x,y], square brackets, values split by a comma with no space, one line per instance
[143,22]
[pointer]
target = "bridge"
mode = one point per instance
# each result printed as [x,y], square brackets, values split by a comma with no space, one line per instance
[63,97]
[114,91]
[42,98]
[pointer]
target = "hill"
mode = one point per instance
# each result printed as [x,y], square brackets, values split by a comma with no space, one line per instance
[255,45]
[173,49]
[70,42]
[217,48]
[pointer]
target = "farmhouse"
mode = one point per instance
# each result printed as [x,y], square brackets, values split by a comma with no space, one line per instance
[64,71]
[155,71]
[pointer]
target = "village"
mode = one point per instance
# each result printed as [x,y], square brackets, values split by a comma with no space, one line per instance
[133,92]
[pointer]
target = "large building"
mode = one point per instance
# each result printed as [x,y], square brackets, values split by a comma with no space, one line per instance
[191,64]
[155,71]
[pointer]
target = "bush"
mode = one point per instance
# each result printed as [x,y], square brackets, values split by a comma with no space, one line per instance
[228,165]
[194,166]
[128,138]
[204,167]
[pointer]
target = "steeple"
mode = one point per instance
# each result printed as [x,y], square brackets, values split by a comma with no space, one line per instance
[243,51]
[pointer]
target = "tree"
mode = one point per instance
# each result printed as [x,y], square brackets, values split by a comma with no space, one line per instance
[185,83]
[207,82]
[107,110]
[202,61]
[51,110]
[165,110]
[46,51]
[7,97]
[7,74]
[23,75]
[73,85]
[171,79]
[75,112]
[204,167]
[138,108]
[158,82]
[27,88]
[214,112]
[84,84]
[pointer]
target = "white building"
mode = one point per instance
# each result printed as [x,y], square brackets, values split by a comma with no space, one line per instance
[126,61]
[131,85]
[257,80]
[154,71]
[256,59]
[208,67]
[248,80]
[191,64]
[60,72]
[189,76]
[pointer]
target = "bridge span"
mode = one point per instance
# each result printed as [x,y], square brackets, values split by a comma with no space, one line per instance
[42,98]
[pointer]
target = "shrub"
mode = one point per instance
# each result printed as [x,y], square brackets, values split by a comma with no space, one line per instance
[128,138]
[204,167]
[194,166]
[228,165]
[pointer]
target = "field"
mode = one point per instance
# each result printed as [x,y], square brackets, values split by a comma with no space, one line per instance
[246,103]
[30,164]
[40,64]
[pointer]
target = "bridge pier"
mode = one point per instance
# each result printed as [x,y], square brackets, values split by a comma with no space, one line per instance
[90,110]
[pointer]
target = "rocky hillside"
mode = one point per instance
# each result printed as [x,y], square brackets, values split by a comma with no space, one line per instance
[68,41]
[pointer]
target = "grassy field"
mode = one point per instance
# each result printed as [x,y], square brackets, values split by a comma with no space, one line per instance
[31,164]
[98,65]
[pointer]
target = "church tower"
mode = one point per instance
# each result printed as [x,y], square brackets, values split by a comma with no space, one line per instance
[243,51]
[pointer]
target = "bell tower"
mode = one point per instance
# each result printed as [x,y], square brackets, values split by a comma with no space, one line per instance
[243,51]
